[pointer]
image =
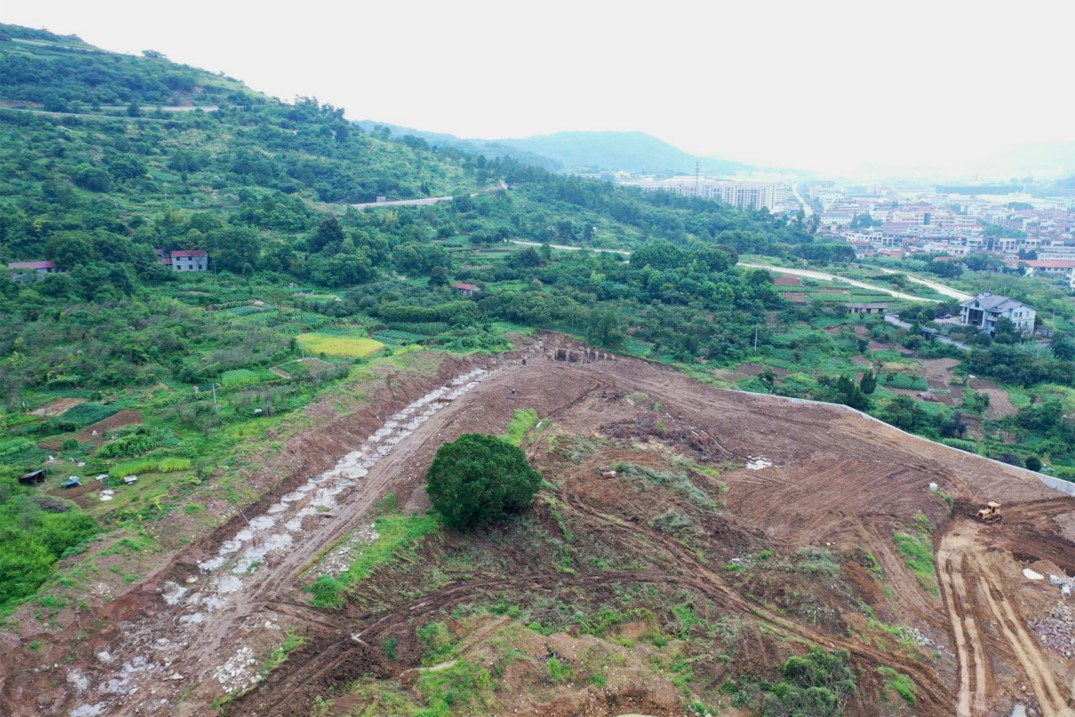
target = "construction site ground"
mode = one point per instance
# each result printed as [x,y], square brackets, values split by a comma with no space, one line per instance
[738,530]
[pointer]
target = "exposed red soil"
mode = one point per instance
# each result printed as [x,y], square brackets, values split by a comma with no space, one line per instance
[57,407]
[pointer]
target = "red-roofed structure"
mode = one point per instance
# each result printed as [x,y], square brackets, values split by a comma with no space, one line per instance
[184,259]
[1037,266]
[40,267]
[466,289]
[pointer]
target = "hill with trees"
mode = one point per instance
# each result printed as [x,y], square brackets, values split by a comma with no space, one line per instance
[118,365]
[97,174]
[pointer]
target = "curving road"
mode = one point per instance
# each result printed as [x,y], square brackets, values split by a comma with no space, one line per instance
[939,288]
[811,274]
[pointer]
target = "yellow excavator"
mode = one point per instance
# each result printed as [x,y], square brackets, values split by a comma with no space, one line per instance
[990,513]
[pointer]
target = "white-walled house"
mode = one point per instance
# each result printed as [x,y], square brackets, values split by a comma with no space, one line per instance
[984,310]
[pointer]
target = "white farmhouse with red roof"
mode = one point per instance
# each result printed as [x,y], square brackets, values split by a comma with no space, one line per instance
[184,260]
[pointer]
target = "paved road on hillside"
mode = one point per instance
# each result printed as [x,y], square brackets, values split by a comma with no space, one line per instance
[427,200]
[808,273]
[811,274]
[565,247]
[939,288]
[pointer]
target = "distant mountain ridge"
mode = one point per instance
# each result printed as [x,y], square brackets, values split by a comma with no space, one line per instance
[581,151]
[635,152]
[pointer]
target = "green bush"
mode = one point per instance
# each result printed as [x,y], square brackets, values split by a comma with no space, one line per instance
[127,446]
[902,684]
[32,540]
[479,478]
[904,381]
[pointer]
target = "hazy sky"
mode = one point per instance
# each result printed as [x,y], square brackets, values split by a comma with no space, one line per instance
[822,85]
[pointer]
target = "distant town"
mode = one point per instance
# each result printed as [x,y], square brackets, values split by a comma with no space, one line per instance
[1028,234]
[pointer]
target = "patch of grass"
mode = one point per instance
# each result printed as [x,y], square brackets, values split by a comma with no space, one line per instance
[902,380]
[948,500]
[240,377]
[901,684]
[917,552]
[151,465]
[279,655]
[672,522]
[395,533]
[817,562]
[559,671]
[343,345]
[578,448]
[82,415]
[676,480]
[521,424]
[437,642]
[463,688]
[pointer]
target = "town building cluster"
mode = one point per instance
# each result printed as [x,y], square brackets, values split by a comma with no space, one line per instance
[1034,237]
[745,195]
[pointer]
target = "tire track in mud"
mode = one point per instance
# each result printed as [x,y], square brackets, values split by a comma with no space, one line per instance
[968,639]
[1051,699]
[715,587]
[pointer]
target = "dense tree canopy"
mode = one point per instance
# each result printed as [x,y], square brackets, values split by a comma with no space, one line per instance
[480,478]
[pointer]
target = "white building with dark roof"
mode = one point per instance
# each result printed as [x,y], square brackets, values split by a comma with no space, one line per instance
[984,310]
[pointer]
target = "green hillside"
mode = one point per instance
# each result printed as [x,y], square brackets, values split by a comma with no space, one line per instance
[64,74]
[96,173]
[192,371]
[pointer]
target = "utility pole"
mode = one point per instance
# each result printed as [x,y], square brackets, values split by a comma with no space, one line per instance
[216,408]
[755,338]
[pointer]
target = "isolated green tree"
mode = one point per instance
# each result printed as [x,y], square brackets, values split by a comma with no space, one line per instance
[480,478]
[868,383]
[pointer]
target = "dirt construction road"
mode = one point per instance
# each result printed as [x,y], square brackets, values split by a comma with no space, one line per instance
[797,475]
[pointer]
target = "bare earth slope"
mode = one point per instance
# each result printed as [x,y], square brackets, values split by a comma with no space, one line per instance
[792,476]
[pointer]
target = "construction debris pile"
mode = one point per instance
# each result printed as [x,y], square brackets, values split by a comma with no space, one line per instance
[1055,631]
[1063,582]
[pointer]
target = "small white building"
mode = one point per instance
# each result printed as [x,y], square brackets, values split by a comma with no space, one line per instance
[984,310]
[181,260]
[196,260]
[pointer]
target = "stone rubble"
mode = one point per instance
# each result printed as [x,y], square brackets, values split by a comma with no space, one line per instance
[265,539]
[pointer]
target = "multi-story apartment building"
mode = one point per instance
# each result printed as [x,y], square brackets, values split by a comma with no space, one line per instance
[745,195]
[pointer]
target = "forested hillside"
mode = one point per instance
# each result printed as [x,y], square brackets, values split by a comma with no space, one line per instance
[101,362]
[108,366]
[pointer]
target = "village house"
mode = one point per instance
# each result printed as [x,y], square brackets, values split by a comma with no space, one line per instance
[466,289]
[984,310]
[31,269]
[180,260]
[855,307]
